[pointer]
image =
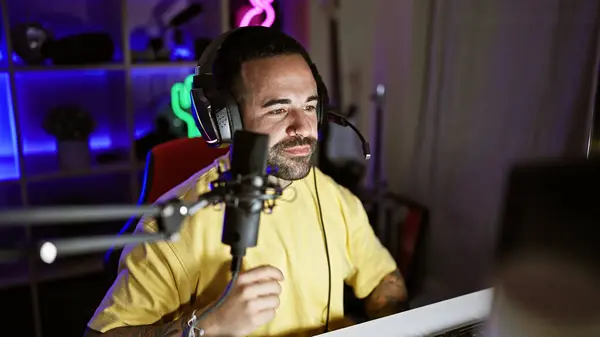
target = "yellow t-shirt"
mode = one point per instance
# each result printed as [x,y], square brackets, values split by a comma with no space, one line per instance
[158,280]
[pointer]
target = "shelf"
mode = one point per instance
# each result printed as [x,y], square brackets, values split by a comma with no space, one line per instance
[103,188]
[124,96]
[9,168]
[3,46]
[152,13]
[103,66]
[165,65]
[47,166]
[68,18]
[10,196]
[70,68]
[99,93]
[99,170]
[9,182]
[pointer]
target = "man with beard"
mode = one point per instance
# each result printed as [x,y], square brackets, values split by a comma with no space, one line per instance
[284,286]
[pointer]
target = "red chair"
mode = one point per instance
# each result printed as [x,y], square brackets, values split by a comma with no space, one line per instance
[411,236]
[171,163]
[168,165]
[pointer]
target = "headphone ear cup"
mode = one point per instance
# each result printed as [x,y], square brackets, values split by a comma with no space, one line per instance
[235,120]
[227,119]
[203,116]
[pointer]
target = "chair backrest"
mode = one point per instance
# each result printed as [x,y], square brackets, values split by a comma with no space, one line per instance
[171,163]
[167,165]
[404,236]
[404,233]
[411,238]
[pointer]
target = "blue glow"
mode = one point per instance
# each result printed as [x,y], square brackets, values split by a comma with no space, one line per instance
[182,53]
[141,201]
[38,92]
[3,52]
[9,155]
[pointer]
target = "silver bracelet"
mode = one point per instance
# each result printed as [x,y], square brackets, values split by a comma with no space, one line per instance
[193,330]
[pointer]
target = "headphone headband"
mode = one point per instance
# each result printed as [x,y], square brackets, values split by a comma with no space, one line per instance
[209,55]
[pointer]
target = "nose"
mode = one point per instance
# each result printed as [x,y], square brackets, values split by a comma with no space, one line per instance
[299,124]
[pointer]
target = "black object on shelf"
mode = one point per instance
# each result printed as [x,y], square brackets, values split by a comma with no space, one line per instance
[28,41]
[88,48]
[186,15]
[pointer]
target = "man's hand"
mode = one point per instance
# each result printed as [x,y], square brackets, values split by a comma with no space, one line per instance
[251,304]
[388,298]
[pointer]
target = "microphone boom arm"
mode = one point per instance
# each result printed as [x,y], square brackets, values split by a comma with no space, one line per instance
[169,215]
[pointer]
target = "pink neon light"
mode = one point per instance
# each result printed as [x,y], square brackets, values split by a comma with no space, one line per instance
[258,7]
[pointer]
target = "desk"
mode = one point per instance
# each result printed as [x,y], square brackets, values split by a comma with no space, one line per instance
[427,320]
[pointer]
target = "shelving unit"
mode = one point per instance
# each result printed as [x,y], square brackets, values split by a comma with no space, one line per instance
[123,97]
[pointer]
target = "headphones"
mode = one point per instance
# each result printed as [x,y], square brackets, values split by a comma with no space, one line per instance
[215,111]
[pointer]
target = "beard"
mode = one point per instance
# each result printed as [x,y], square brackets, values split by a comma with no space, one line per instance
[288,167]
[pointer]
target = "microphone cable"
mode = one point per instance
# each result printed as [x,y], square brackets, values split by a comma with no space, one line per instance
[326,250]
[236,266]
[237,262]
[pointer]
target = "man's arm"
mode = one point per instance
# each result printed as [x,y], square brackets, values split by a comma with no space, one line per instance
[388,298]
[146,290]
[172,329]
[375,278]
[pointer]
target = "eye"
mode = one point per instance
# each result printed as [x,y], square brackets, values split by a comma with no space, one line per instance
[277,112]
[310,108]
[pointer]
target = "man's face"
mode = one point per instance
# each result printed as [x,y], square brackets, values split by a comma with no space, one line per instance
[280,99]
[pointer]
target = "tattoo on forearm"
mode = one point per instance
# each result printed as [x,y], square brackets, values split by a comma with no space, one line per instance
[173,329]
[388,298]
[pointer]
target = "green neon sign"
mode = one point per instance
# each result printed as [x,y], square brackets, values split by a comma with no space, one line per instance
[181,103]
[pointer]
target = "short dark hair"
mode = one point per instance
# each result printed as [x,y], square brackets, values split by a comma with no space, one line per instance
[247,44]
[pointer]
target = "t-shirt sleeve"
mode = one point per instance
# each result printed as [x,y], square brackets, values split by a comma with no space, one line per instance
[370,260]
[148,287]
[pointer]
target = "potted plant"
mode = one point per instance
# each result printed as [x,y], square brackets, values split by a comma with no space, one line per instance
[72,127]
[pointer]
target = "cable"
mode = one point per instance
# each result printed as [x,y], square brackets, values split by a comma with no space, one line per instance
[236,266]
[326,251]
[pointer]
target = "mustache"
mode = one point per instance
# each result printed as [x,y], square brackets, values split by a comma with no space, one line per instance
[293,142]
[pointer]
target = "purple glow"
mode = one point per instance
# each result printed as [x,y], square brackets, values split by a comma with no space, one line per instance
[258,7]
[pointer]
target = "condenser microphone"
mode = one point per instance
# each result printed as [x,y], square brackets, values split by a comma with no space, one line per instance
[249,153]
